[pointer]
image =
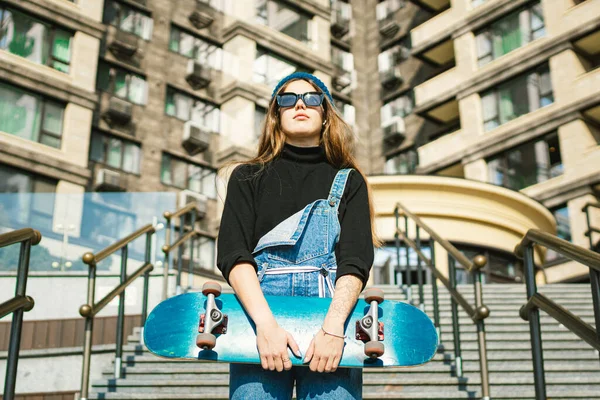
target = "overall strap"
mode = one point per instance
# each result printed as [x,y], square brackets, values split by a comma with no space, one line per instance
[338,187]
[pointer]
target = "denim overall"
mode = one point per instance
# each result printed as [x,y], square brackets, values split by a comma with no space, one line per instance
[297,258]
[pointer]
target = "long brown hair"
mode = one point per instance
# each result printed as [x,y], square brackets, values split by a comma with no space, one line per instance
[337,138]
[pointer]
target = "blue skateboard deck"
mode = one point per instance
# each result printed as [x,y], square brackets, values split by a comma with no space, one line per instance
[409,336]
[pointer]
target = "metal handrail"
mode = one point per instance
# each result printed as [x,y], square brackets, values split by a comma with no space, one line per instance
[576,253]
[90,309]
[478,313]
[189,213]
[536,301]
[19,304]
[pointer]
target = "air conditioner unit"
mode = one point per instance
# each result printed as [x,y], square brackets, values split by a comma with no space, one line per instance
[119,111]
[108,181]
[124,44]
[340,24]
[341,79]
[394,132]
[391,78]
[402,54]
[186,197]
[388,26]
[203,15]
[198,75]
[196,138]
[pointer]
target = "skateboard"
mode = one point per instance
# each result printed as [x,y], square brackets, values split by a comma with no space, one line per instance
[214,326]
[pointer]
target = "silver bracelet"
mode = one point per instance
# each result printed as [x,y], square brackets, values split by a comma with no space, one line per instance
[332,334]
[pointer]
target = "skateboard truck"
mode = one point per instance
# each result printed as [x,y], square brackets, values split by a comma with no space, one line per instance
[216,323]
[368,328]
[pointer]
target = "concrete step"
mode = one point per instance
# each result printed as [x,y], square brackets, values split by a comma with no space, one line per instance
[407,383]
[223,394]
[390,375]
[166,369]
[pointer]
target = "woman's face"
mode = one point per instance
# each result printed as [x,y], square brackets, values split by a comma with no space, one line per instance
[301,124]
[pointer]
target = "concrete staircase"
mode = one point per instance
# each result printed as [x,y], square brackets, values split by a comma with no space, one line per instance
[572,366]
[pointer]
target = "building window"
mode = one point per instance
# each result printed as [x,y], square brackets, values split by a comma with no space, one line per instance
[34,40]
[403,163]
[23,209]
[185,175]
[347,110]
[387,8]
[284,19]
[188,108]
[527,164]
[387,270]
[563,230]
[30,116]
[260,114]
[128,19]
[516,97]
[501,267]
[116,153]
[270,68]
[510,33]
[192,46]
[122,83]
[399,107]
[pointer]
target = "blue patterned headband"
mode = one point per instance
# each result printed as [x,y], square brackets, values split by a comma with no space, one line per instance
[303,75]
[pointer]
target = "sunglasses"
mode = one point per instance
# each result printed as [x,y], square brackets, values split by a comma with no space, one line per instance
[310,99]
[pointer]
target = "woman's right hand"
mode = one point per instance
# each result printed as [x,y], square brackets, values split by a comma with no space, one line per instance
[272,342]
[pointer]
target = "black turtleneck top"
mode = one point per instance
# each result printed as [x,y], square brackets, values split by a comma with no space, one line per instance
[300,175]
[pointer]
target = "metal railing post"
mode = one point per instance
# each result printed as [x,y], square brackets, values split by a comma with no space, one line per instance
[178,289]
[397,239]
[167,262]
[434,293]
[482,312]
[534,326]
[191,263]
[594,275]
[408,269]
[121,316]
[17,325]
[455,322]
[419,271]
[86,311]
[146,280]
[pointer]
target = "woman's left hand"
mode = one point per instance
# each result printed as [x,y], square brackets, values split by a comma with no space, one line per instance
[325,351]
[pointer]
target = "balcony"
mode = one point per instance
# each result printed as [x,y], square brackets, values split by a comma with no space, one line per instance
[394,132]
[123,44]
[203,15]
[391,78]
[198,75]
[434,6]
[196,138]
[118,112]
[437,86]
[437,150]
[109,181]
[435,29]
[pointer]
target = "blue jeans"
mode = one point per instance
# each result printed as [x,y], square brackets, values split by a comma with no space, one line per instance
[297,258]
[250,382]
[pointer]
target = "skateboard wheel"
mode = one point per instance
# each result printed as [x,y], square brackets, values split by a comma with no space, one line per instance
[374,349]
[206,341]
[374,294]
[211,288]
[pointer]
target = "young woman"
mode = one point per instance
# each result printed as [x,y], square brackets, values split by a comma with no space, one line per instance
[297,221]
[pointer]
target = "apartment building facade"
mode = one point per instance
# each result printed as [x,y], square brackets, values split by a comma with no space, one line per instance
[156,95]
